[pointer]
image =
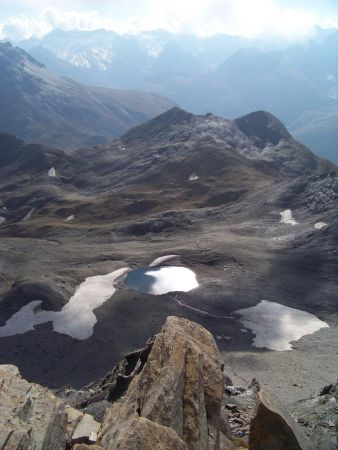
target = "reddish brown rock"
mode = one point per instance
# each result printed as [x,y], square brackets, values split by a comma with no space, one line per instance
[175,402]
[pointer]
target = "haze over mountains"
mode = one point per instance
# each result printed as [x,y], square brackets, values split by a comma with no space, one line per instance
[226,75]
[41,107]
[184,164]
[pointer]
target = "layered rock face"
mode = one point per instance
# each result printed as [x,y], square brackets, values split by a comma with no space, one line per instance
[273,427]
[177,396]
[175,400]
[32,418]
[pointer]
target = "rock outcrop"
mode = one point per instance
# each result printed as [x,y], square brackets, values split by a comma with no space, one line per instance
[31,417]
[167,396]
[175,402]
[98,395]
[273,427]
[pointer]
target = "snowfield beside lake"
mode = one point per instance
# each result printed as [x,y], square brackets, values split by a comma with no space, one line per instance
[76,318]
[275,326]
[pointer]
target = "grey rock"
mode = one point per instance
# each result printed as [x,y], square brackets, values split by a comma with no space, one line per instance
[86,430]
[97,409]
[274,428]
[31,417]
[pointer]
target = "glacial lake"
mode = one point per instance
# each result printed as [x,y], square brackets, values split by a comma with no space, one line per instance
[161,280]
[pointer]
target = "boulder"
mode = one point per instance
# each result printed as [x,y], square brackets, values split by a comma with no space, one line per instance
[31,417]
[175,401]
[274,428]
[73,419]
[86,430]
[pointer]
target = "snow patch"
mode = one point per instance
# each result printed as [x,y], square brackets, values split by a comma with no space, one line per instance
[76,318]
[51,172]
[320,225]
[275,325]
[227,338]
[193,177]
[162,259]
[28,216]
[70,218]
[287,217]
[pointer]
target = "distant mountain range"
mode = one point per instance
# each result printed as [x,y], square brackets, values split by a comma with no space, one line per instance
[39,106]
[229,76]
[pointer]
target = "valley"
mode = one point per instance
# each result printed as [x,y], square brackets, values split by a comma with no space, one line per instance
[168,225]
[246,224]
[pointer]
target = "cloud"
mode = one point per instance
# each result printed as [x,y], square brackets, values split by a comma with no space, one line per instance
[260,18]
[23,26]
[241,17]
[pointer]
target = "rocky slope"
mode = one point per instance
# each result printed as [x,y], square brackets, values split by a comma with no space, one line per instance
[175,400]
[41,107]
[251,212]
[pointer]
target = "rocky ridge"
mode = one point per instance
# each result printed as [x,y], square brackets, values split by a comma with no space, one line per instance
[39,106]
[177,397]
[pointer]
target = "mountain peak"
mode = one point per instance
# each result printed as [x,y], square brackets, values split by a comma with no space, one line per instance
[153,127]
[263,128]
[173,116]
[10,55]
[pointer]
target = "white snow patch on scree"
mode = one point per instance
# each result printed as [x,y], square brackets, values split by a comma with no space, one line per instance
[76,318]
[51,172]
[70,218]
[275,325]
[193,177]
[287,218]
[28,216]
[162,259]
[320,225]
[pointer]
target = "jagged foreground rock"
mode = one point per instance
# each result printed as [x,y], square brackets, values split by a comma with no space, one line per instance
[174,401]
[273,427]
[31,417]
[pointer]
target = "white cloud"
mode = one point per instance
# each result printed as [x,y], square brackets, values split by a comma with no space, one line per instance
[259,18]
[23,27]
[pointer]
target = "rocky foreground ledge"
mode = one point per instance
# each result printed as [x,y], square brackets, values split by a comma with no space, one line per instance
[173,394]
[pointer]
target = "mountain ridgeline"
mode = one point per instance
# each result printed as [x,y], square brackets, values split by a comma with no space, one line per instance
[41,107]
[175,161]
[230,76]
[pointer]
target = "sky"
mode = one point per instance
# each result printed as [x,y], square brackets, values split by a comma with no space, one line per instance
[292,20]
